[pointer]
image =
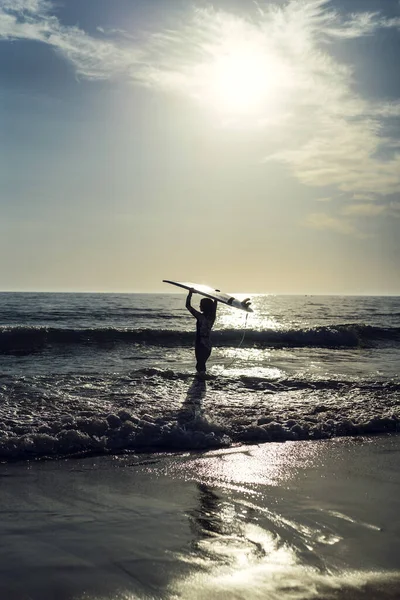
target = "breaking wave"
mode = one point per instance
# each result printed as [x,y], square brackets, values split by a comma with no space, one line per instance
[33,339]
[158,410]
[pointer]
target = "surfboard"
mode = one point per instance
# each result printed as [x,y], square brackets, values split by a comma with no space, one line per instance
[214,294]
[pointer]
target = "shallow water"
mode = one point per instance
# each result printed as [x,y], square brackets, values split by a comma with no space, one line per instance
[100,373]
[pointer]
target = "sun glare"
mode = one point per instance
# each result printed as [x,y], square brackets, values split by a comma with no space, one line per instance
[242,78]
[239,81]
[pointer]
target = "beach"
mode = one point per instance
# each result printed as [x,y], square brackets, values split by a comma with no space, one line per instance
[301,520]
[125,476]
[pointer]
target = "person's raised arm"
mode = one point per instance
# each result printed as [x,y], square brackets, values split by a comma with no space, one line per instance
[188,300]
[190,308]
[215,309]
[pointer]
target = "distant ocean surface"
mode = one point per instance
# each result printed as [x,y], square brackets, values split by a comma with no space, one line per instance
[114,373]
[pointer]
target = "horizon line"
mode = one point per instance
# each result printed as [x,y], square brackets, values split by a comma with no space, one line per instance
[182,292]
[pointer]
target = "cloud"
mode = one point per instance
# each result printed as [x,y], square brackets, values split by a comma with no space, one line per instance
[345,223]
[92,58]
[323,221]
[393,210]
[364,210]
[35,7]
[311,116]
[328,134]
[343,153]
[360,24]
[386,109]
[367,197]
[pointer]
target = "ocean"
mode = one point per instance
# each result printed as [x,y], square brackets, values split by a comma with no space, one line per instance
[113,373]
[124,476]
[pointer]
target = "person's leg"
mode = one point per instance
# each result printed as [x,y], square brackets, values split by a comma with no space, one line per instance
[202,353]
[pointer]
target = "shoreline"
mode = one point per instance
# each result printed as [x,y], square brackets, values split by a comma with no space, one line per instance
[165,452]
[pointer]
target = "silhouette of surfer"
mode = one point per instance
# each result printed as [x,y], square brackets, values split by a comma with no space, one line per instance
[204,323]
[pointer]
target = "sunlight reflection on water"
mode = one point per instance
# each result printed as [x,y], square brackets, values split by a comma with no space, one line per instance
[271,464]
[236,319]
[232,361]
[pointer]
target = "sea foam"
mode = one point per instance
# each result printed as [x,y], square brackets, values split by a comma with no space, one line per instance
[164,411]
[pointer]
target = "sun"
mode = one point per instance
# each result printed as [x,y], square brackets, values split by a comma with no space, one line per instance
[237,69]
[239,81]
[242,78]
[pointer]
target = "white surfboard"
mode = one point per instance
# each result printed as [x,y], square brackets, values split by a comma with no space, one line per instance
[214,294]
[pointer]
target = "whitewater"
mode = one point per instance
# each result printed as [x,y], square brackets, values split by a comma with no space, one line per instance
[92,374]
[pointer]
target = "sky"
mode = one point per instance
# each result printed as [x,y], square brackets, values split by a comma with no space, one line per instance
[250,146]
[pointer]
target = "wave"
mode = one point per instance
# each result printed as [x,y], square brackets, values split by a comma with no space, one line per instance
[123,432]
[64,317]
[155,410]
[258,382]
[15,340]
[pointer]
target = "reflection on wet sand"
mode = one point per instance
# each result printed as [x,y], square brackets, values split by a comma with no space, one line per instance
[206,518]
[263,526]
[222,530]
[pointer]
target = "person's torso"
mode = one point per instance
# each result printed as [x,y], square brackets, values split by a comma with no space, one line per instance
[203,330]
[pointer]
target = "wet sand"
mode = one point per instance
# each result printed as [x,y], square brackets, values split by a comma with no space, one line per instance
[295,520]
